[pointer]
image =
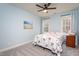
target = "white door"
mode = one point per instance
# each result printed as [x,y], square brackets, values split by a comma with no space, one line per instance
[45,25]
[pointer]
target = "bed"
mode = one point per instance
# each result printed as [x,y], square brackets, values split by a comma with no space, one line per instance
[51,40]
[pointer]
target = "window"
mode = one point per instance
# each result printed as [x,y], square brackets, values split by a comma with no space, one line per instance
[45,25]
[66,23]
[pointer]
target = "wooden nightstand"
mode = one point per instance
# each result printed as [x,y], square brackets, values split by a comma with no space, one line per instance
[70,41]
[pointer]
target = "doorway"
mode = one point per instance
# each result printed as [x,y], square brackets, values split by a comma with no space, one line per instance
[45,25]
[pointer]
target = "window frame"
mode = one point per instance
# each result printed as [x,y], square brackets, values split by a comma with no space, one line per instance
[70,21]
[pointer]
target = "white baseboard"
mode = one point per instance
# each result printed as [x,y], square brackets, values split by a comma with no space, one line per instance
[20,44]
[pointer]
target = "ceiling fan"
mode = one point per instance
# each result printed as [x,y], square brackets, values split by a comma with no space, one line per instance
[45,7]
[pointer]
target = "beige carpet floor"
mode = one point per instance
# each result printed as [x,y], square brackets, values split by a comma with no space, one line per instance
[31,50]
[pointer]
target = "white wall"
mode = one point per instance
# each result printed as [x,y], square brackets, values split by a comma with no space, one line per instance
[11,26]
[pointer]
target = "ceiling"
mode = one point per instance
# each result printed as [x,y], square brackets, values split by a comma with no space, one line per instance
[60,7]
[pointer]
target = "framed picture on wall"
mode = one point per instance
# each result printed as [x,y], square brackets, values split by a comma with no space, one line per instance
[28,24]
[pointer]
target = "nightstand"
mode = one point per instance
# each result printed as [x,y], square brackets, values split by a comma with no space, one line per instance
[70,41]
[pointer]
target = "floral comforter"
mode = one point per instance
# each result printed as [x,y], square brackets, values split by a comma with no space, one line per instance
[52,41]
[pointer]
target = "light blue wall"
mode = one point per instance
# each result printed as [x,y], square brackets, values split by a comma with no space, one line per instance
[11,26]
[55,22]
[77,24]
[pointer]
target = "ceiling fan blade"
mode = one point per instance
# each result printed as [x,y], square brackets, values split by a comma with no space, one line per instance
[39,6]
[51,8]
[48,4]
[40,10]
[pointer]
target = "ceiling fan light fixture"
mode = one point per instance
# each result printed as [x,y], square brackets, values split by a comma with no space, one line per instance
[45,11]
[45,8]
